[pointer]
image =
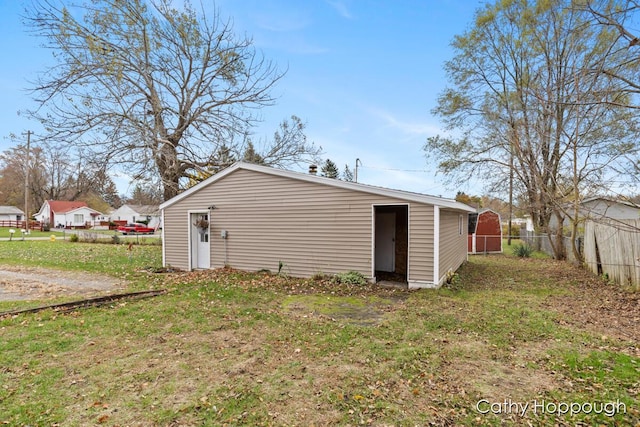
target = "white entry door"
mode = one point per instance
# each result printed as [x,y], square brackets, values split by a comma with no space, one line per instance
[200,247]
[385,241]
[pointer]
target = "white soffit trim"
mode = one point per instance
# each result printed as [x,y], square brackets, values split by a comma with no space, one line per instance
[164,246]
[436,244]
[373,242]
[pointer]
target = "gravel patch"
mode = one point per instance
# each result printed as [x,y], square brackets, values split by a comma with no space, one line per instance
[34,283]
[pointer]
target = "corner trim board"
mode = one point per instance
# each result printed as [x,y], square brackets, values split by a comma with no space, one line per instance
[436,244]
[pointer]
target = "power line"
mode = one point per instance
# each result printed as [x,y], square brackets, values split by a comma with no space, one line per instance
[394,170]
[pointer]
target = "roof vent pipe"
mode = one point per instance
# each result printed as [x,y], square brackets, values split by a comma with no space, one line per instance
[313,169]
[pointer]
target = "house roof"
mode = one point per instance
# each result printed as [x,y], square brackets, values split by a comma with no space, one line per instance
[483,210]
[610,201]
[380,191]
[92,211]
[63,206]
[145,209]
[10,210]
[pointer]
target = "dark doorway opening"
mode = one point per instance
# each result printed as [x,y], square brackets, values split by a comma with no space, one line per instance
[391,242]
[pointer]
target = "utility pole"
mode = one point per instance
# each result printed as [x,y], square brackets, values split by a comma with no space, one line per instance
[26,182]
[512,140]
[357,161]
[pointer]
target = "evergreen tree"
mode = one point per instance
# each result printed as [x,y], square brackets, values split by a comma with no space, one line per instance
[329,169]
[251,155]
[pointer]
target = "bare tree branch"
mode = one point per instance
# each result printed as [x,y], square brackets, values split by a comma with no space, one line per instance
[542,87]
[148,86]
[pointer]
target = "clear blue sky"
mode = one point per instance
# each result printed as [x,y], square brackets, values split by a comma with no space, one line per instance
[363,74]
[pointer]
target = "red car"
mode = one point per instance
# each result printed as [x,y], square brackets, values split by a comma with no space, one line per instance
[136,228]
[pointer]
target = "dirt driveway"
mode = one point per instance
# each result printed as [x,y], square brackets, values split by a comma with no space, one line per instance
[27,283]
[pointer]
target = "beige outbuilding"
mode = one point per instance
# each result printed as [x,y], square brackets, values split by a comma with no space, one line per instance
[253,217]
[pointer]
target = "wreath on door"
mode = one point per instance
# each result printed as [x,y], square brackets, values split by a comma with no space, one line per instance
[202,225]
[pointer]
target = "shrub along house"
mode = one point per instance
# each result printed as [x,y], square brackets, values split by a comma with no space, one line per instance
[254,217]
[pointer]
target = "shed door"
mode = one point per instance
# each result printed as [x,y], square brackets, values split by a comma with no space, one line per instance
[385,251]
[200,248]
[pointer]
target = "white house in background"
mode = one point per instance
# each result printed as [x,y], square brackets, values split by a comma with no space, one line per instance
[149,214]
[11,213]
[68,214]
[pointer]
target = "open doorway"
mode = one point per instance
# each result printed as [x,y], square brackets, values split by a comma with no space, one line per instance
[391,242]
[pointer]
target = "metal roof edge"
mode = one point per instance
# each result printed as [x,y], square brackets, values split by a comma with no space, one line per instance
[607,199]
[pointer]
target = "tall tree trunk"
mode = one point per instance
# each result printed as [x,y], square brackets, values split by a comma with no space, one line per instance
[168,165]
[556,237]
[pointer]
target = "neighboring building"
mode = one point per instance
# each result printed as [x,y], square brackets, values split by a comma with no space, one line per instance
[599,208]
[59,213]
[485,232]
[149,214]
[517,222]
[528,225]
[11,213]
[254,217]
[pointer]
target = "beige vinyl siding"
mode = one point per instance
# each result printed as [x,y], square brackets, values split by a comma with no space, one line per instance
[421,243]
[310,227]
[453,245]
[175,236]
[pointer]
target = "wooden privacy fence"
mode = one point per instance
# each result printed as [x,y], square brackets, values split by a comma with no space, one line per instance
[33,225]
[612,248]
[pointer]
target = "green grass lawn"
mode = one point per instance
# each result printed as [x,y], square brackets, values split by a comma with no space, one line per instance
[231,348]
[99,258]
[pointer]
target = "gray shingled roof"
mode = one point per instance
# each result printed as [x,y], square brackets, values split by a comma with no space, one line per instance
[10,210]
[145,209]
